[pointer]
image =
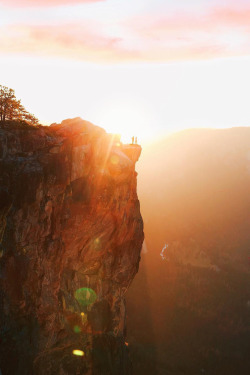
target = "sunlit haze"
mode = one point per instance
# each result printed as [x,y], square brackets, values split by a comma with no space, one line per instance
[142,68]
[124,251]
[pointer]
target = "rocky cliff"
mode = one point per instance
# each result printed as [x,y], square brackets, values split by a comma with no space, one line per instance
[70,239]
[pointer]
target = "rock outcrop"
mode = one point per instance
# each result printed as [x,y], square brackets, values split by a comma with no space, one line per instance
[70,239]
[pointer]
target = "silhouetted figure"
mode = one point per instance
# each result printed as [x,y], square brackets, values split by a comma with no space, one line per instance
[136,140]
[133,138]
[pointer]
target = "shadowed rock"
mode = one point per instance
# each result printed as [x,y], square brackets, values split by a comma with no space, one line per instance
[70,235]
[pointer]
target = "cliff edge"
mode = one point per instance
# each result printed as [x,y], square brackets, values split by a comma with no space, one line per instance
[70,239]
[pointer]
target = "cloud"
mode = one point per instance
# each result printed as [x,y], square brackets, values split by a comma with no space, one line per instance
[221,32]
[232,17]
[44,3]
[76,41]
[181,24]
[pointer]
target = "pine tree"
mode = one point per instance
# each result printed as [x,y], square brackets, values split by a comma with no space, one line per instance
[12,109]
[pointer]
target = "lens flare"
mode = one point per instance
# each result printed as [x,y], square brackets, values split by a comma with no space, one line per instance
[114,159]
[84,317]
[85,296]
[77,329]
[97,244]
[78,352]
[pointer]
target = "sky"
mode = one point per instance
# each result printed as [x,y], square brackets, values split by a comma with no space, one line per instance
[136,67]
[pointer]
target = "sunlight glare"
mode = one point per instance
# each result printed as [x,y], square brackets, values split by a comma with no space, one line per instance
[128,121]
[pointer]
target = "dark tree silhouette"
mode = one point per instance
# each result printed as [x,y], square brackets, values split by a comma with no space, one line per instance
[12,109]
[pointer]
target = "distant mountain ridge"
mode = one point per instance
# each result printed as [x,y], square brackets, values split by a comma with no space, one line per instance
[194,190]
[197,169]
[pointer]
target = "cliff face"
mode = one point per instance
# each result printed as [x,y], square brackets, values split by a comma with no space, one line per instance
[70,239]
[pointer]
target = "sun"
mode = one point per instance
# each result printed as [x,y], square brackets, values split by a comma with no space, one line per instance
[128,121]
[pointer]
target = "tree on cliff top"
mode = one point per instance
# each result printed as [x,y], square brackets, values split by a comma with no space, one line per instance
[12,109]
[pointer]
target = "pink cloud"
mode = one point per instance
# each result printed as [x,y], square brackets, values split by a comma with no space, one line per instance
[74,41]
[232,17]
[155,26]
[218,33]
[182,36]
[44,3]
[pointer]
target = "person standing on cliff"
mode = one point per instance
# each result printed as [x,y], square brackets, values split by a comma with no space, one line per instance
[133,138]
[136,140]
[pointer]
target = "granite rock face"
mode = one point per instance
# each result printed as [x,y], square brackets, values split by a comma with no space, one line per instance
[70,239]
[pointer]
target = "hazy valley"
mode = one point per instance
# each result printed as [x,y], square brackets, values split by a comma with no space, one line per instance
[190,312]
